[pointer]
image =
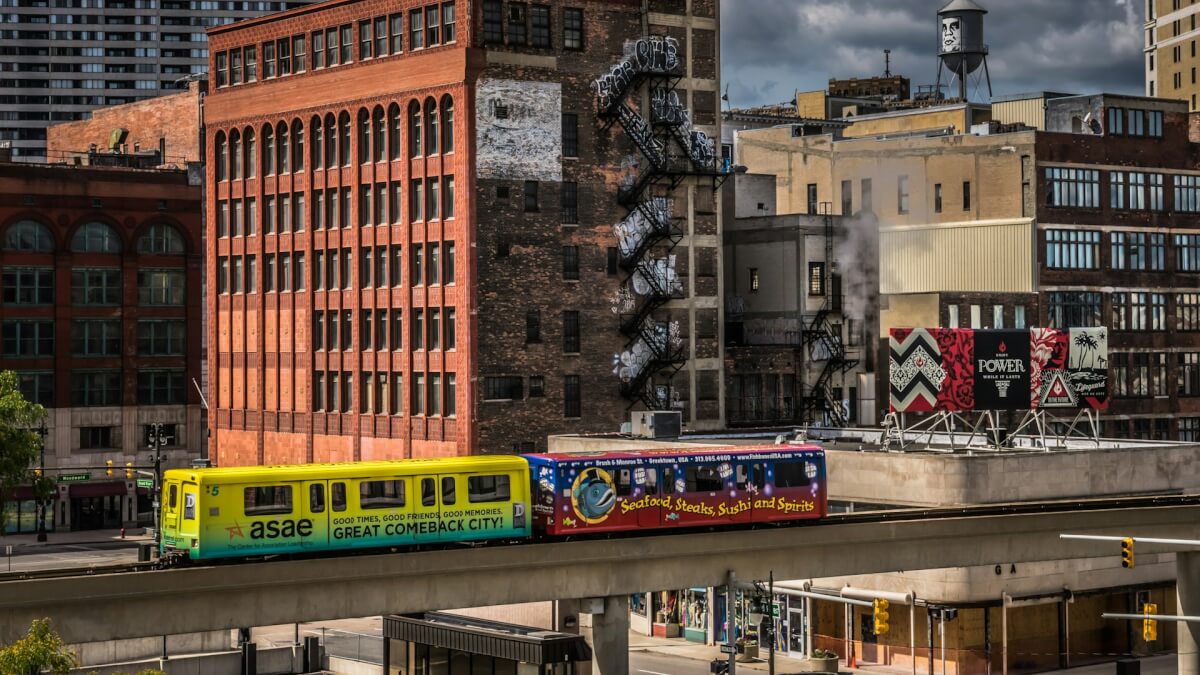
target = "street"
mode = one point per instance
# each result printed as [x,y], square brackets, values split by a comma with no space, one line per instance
[64,556]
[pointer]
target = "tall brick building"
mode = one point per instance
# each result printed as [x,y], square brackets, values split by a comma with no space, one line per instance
[101,268]
[442,228]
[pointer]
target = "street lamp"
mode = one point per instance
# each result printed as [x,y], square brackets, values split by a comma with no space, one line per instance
[156,442]
[42,432]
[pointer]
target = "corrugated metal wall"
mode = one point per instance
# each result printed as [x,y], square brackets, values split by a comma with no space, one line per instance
[1031,111]
[982,256]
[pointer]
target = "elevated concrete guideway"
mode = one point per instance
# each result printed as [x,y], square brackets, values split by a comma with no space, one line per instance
[140,604]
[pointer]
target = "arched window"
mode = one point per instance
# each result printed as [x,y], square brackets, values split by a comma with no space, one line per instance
[160,238]
[394,131]
[377,144]
[28,235]
[364,136]
[414,129]
[297,145]
[317,143]
[344,137]
[330,141]
[251,156]
[96,238]
[431,127]
[447,124]
[235,155]
[282,149]
[268,155]
[222,157]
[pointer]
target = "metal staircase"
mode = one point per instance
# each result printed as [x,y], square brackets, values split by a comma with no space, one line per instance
[674,151]
[819,405]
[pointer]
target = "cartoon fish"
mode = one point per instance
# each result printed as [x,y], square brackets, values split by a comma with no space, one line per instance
[594,496]
[569,522]
[546,485]
[639,476]
[672,516]
[680,485]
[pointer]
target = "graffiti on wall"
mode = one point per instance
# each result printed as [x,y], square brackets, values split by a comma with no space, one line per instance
[664,338]
[649,55]
[519,130]
[651,216]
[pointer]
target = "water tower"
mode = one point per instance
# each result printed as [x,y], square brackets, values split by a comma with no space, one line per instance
[960,43]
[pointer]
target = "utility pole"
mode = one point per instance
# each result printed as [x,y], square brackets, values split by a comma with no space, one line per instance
[156,442]
[41,533]
[731,622]
[774,628]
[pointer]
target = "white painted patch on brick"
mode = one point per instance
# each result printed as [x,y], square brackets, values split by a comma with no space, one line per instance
[519,130]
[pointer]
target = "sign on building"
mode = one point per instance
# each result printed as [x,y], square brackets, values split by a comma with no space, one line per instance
[964,369]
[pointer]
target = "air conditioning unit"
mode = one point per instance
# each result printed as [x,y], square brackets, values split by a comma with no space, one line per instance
[657,423]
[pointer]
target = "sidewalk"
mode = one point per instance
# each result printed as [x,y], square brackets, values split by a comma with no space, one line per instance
[678,647]
[132,537]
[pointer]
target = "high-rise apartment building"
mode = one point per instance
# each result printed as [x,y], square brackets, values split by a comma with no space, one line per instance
[61,59]
[1170,52]
[441,228]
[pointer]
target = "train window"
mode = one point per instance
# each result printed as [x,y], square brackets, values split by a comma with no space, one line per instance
[173,499]
[428,492]
[487,489]
[669,483]
[791,475]
[742,472]
[651,481]
[267,500]
[624,482]
[702,479]
[759,476]
[447,490]
[316,498]
[381,494]
[189,506]
[337,496]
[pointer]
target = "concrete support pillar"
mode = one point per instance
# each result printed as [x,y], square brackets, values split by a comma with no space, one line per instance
[610,637]
[1187,588]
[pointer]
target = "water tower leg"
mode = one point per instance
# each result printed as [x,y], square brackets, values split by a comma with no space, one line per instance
[988,75]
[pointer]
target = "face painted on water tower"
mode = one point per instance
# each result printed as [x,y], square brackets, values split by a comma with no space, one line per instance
[951,35]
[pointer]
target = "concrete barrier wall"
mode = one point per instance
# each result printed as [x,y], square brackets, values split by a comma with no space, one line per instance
[127,651]
[277,661]
[351,667]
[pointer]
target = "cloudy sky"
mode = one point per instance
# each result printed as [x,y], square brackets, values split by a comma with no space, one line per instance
[770,48]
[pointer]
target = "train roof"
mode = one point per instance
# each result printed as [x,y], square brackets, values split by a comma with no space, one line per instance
[352,469]
[740,452]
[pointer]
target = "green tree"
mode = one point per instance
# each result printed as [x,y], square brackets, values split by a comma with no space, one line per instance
[18,442]
[40,649]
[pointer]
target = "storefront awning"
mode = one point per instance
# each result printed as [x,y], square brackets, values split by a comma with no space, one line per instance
[19,493]
[107,489]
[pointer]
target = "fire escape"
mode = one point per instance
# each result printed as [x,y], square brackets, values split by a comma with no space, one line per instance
[824,344]
[673,151]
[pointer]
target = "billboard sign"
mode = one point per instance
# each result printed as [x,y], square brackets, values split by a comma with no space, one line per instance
[964,369]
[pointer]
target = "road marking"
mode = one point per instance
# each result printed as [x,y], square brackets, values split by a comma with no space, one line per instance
[651,672]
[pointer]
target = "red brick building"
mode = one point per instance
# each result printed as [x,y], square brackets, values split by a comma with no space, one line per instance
[414,213]
[101,270]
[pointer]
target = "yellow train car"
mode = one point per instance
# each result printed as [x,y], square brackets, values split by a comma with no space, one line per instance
[251,511]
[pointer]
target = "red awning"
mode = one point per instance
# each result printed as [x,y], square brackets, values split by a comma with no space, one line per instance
[19,493]
[111,489]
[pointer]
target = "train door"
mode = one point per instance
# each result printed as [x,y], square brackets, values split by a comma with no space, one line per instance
[170,508]
[741,500]
[316,508]
[189,516]
[649,515]
[436,492]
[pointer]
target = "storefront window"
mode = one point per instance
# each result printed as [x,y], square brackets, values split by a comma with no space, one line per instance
[21,517]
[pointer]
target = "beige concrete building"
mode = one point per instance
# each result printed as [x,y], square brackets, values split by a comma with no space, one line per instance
[1170,50]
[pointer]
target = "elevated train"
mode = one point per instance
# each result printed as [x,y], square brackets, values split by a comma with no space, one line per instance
[225,513]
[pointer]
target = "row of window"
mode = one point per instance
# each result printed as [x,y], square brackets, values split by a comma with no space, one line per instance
[1141,251]
[1128,190]
[92,286]
[377,37]
[33,237]
[1134,122]
[388,493]
[383,393]
[103,387]
[1145,374]
[26,338]
[523,24]
[512,388]
[432,328]
[380,267]
[1129,310]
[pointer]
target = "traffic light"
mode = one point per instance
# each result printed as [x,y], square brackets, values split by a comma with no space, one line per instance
[37,472]
[108,467]
[881,616]
[1149,626]
[1127,552]
[128,470]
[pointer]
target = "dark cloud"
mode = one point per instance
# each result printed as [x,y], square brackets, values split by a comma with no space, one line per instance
[771,47]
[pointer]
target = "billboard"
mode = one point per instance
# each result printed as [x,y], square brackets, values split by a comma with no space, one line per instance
[964,369]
